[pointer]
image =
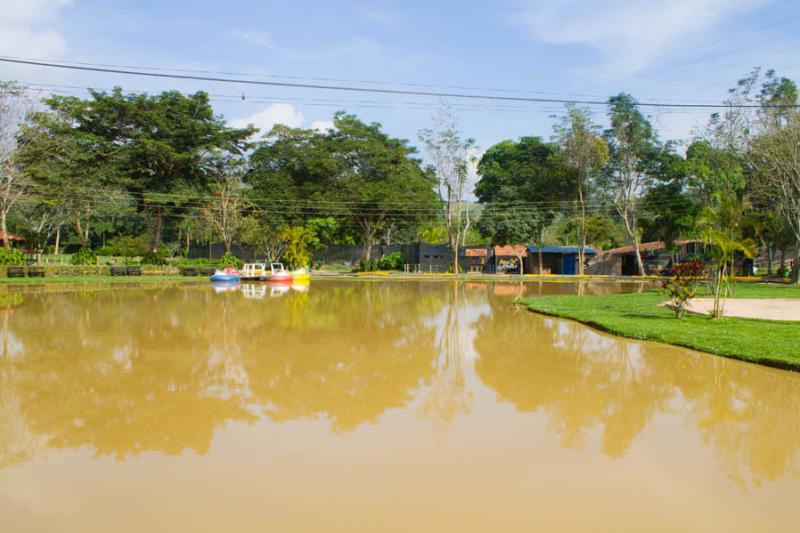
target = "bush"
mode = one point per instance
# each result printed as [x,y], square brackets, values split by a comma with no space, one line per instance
[682,284]
[85,257]
[197,261]
[158,258]
[229,260]
[366,266]
[126,246]
[393,261]
[11,256]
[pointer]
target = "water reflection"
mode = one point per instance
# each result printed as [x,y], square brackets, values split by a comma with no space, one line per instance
[165,369]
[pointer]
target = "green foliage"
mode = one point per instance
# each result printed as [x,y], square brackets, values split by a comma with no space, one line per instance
[228,260]
[85,256]
[366,265]
[297,240]
[392,261]
[158,258]
[11,257]
[684,279]
[126,246]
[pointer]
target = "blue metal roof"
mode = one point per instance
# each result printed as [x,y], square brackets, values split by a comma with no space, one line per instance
[563,250]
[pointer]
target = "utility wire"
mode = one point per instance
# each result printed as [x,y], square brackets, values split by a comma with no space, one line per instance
[345,88]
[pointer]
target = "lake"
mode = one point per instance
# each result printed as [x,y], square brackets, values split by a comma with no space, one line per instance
[375,406]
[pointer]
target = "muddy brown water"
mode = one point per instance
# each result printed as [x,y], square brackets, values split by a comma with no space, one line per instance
[376,406]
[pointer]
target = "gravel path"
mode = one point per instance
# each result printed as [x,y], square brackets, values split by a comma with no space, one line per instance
[774,309]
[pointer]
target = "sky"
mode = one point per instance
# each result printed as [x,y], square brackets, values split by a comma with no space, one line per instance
[666,50]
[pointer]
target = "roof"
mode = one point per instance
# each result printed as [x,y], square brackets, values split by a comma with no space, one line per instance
[476,252]
[508,250]
[563,250]
[649,246]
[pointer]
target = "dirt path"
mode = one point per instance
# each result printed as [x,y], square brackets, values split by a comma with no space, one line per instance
[769,309]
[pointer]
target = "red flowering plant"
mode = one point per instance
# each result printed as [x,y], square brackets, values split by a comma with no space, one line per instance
[682,283]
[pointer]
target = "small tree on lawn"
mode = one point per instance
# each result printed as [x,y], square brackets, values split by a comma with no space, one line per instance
[511,226]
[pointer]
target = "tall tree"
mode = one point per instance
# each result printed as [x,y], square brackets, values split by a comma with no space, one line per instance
[17,105]
[77,171]
[521,181]
[162,143]
[224,209]
[451,156]
[632,142]
[583,154]
[379,178]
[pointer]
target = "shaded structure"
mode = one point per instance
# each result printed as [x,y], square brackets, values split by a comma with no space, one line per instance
[561,260]
[655,257]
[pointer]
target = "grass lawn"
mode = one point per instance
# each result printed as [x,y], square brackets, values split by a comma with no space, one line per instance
[638,316]
[98,279]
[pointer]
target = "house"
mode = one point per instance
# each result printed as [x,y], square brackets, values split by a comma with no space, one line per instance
[655,257]
[475,259]
[556,259]
[506,258]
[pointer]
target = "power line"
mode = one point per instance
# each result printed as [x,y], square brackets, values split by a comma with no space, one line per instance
[344,88]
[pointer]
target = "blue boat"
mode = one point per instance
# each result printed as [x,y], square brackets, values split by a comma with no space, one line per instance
[228,275]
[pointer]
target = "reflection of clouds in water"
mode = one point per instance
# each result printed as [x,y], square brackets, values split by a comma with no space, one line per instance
[40,498]
[13,348]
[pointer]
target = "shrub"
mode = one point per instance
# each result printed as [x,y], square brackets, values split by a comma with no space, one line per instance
[229,260]
[366,266]
[684,278]
[11,256]
[393,261]
[158,258]
[197,261]
[126,246]
[84,256]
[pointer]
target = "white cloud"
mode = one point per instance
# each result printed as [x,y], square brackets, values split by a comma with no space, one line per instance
[24,28]
[284,114]
[632,33]
[322,125]
[274,114]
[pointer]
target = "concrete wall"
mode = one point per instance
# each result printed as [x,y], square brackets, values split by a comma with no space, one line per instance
[608,264]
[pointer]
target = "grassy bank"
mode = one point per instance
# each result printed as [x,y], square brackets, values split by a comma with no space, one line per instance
[99,279]
[638,316]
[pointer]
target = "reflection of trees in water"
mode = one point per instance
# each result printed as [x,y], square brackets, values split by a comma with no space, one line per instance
[160,369]
[585,381]
[354,351]
[448,394]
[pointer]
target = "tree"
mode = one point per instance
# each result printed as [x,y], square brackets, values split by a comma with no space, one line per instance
[451,158]
[776,155]
[513,226]
[297,239]
[379,179]
[224,208]
[632,144]
[583,154]
[265,239]
[75,170]
[162,143]
[520,178]
[16,107]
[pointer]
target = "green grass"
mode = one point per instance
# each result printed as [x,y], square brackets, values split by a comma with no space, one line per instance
[637,316]
[98,279]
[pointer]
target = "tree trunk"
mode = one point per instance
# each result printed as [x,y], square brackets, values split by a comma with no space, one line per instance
[639,263]
[367,246]
[4,229]
[157,233]
[521,264]
[796,264]
[541,258]
[188,236]
[769,259]
[58,239]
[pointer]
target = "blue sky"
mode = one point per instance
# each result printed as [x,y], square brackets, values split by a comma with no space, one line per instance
[679,50]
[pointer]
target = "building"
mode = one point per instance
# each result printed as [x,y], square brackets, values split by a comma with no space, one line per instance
[506,258]
[557,259]
[655,257]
